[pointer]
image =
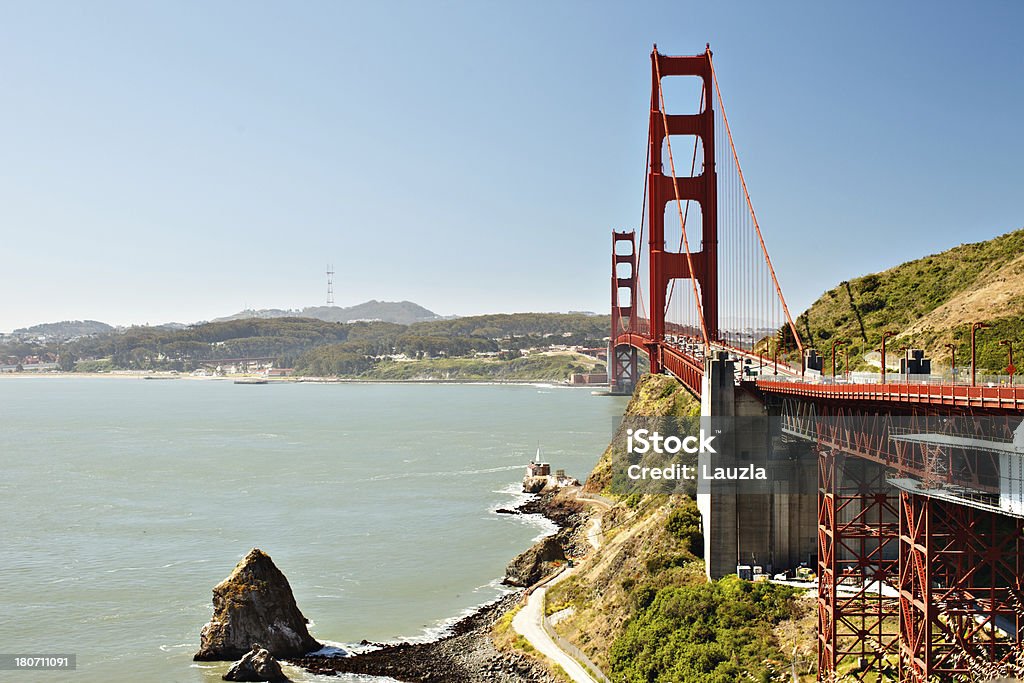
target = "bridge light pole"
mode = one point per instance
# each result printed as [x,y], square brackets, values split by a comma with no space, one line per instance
[885,335]
[974,332]
[1010,369]
[835,345]
[846,361]
[952,361]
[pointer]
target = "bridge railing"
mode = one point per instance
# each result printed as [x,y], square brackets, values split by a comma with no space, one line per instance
[894,377]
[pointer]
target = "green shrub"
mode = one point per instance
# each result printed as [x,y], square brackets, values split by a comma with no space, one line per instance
[642,597]
[715,632]
[684,524]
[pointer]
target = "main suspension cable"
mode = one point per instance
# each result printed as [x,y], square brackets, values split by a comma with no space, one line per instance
[750,206]
[638,248]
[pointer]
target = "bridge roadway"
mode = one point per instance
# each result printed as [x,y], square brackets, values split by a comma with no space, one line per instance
[685,361]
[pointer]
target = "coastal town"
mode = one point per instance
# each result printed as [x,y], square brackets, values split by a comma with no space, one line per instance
[567,348]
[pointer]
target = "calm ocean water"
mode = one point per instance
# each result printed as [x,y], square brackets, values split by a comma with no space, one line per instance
[123,502]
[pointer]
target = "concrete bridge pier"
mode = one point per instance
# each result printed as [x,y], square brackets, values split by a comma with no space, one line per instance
[771,524]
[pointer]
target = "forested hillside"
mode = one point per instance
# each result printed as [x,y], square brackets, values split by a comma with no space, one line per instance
[370,349]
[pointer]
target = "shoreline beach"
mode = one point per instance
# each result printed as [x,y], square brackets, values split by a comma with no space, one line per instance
[465,653]
[288,380]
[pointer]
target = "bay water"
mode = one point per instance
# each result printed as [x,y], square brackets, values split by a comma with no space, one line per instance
[124,501]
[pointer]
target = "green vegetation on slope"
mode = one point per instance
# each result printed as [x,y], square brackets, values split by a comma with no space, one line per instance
[930,302]
[716,632]
[654,396]
[642,607]
[67,328]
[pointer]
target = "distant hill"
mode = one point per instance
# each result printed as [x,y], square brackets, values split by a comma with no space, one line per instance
[929,302]
[66,329]
[400,312]
[486,345]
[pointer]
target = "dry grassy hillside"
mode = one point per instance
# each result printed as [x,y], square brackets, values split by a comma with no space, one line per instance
[641,607]
[930,301]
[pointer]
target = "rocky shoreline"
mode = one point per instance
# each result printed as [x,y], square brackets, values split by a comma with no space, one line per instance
[467,654]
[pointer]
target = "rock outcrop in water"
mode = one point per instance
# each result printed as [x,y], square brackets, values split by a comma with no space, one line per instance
[255,605]
[256,665]
[536,563]
[534,484]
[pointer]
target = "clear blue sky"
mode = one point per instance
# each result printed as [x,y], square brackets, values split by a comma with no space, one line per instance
[182,160]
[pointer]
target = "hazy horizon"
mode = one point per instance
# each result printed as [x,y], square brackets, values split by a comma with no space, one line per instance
[281,308]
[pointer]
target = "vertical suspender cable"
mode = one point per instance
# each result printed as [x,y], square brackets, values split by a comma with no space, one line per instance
[750,206]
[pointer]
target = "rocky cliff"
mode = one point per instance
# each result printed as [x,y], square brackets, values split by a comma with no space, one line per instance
[536,563]
[255,605]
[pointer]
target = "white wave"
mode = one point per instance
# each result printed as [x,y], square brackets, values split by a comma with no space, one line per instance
[332,649]
[438,630]
[444,627]
[490,470]
[512,489]
[545,525]
[430,475]
[179,646]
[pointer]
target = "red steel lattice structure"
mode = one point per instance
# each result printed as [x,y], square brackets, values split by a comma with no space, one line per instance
[960,593]
[857,558]
[954,586]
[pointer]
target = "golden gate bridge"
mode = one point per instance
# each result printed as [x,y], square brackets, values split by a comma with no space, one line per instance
[920,485]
